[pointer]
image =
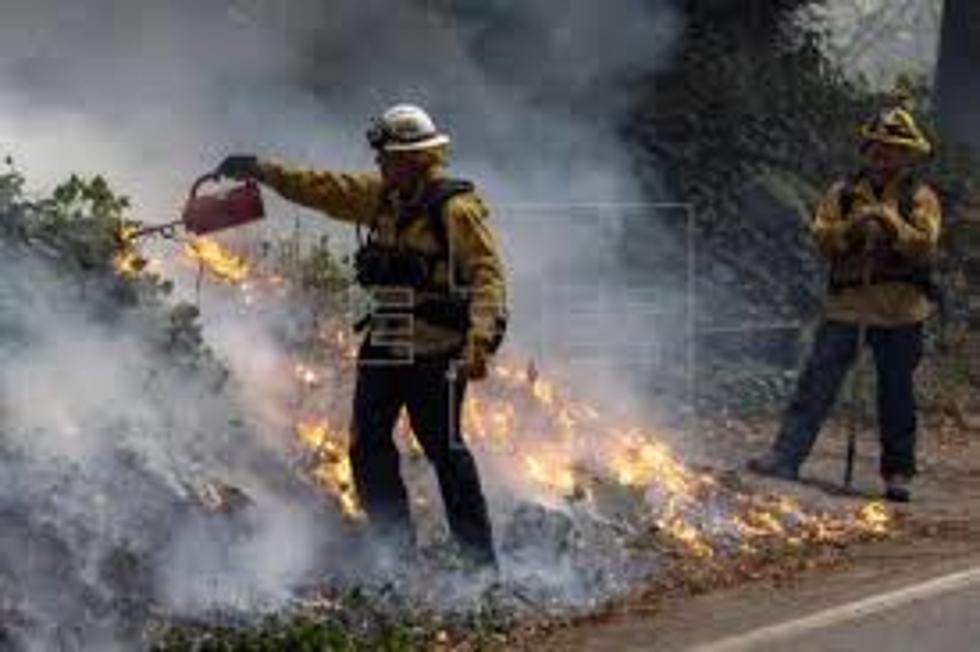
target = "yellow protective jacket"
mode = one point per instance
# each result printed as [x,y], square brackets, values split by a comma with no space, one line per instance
[359,198]
[915,240]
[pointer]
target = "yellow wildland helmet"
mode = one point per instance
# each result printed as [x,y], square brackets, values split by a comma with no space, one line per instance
[896,127]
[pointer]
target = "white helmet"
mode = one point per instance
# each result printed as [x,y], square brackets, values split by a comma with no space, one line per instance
[405,128]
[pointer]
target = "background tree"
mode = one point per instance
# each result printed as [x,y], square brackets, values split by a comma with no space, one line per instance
[750,121]
[958,75]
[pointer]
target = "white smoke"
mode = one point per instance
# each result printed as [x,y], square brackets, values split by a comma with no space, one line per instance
[151,94]
[532,94]
[109,449]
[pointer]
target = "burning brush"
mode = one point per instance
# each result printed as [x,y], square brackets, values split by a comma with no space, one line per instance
[565,451]
[331,470]
[127,259]
[555,448]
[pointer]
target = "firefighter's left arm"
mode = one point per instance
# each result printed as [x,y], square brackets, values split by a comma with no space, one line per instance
[917,237]
[474,251]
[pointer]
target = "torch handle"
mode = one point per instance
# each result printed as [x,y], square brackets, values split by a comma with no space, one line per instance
[862,335]
[212,176]
[168,230]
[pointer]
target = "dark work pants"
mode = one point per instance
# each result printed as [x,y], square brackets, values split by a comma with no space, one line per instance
[897,352]
[433,403]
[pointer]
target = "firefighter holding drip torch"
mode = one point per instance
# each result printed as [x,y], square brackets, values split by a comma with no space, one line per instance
[428,244]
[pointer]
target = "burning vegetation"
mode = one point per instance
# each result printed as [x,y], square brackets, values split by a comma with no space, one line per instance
[554,447]
[588,508]
[561,451]
[583,481]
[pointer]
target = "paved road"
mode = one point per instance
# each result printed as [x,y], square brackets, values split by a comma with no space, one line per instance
[936,614]
[900,598]
[949,623]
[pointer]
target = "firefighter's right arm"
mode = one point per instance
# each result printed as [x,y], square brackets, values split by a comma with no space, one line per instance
[351,197]
[831,232]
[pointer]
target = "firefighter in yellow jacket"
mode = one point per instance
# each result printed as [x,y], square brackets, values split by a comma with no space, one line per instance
[879,231]
[430,260]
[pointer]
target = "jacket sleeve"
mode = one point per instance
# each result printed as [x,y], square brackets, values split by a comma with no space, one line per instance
[351,197]
[917,236]
[476,255]
[829,229]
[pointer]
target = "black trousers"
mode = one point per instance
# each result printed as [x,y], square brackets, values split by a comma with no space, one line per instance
[434,404]
[897,352]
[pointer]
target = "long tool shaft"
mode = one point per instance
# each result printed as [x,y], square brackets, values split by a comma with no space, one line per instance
[858,407]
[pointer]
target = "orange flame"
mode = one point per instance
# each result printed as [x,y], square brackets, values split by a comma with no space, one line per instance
[875,518]
[216,260]
[332,468]
[127,260]
[563,448]
[581,443]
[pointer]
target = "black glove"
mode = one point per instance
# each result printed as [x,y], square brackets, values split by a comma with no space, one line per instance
[239,167]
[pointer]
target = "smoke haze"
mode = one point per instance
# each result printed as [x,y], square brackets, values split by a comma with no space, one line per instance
[151,94]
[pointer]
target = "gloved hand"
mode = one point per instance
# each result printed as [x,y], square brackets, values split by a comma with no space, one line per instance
[239,167]
[872,224]
[881,215]
[476,358]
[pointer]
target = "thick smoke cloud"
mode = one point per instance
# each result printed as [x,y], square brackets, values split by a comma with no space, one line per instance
[174,84]
[110,453]
[153,93]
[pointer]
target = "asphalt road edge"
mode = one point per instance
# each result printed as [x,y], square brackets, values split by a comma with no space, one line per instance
[849,612]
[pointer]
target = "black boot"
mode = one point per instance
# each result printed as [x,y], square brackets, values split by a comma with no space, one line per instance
[897,489]
[773,466]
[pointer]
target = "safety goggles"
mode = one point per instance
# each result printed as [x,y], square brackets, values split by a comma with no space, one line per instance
[378,135]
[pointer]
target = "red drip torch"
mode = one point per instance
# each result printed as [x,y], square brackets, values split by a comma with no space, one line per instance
[225,209]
